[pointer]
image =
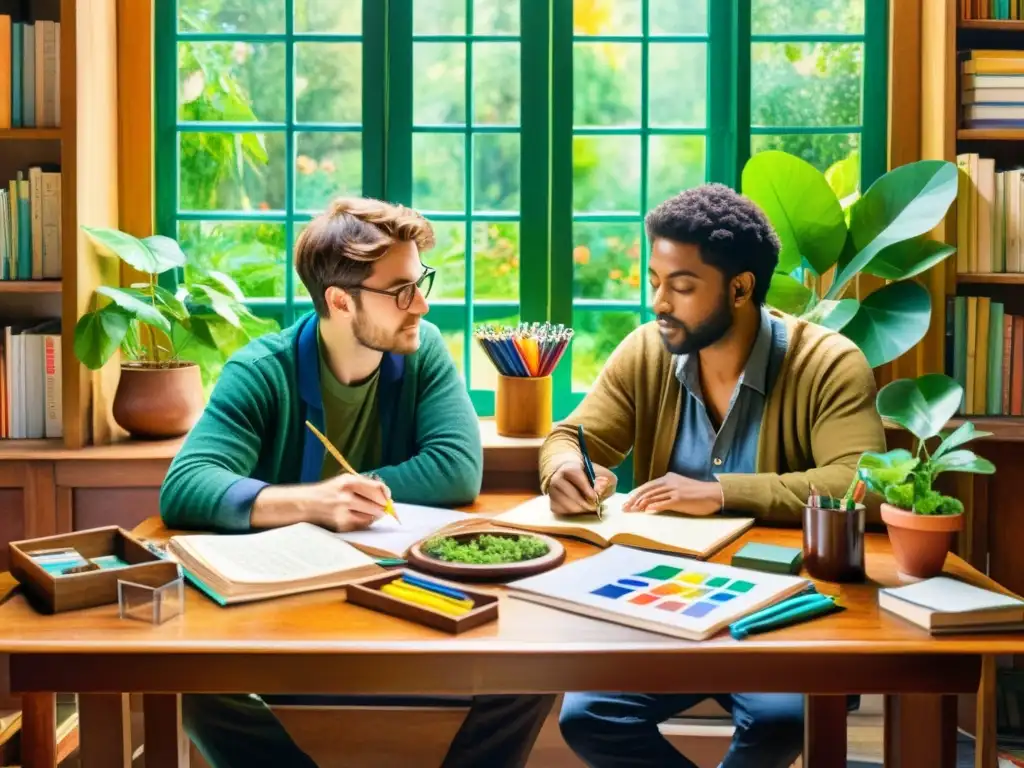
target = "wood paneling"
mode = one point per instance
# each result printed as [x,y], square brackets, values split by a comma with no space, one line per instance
[12,521]
[127,507]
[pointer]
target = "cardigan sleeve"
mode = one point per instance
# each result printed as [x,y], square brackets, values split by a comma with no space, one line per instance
[607,413]
[844,424]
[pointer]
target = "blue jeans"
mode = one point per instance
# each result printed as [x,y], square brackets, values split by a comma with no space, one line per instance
[240,731]
[620,730]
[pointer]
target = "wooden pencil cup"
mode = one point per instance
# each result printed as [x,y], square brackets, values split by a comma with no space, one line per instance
[522,406]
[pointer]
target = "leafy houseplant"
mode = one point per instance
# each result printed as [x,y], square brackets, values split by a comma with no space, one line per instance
[160,392]
[921,520]
[883,233]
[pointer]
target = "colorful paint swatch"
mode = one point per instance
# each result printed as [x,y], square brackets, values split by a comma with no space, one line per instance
[667,589]
[633,583]
[614,591]
[740,586]
[699,610]
[698,591]
[692,578]
[688,591]
[722,597]
[670,605]
[660,572]
[645,598]
[717,581]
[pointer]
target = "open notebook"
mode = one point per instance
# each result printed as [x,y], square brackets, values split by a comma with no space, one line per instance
[698,537]
[236,568]
[388,537]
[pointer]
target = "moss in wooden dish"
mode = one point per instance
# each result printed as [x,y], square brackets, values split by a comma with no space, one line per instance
[485,549]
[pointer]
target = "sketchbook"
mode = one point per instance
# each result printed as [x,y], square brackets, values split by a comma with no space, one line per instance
[236,568]
[698,537]
[668,594]
[388,537]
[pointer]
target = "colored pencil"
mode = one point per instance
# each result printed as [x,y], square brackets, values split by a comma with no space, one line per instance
[527,350]
[389,508]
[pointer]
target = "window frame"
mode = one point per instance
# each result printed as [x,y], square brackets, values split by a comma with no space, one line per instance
[546,130]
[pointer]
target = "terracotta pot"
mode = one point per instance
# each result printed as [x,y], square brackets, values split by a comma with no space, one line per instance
[158,403]
[920,542]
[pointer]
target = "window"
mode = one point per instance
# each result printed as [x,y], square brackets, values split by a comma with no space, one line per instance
[535,135]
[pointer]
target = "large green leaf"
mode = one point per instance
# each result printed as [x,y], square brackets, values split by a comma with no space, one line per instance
[168,303]
[136,307]
[909,258]
[923,405]
[787,294]
[843,176]
[223,305]
[833,314]
[904,203]
[890,321]
[166,250]
[961,435]
[963,461]
[801,206]
[99,334]
[118,244]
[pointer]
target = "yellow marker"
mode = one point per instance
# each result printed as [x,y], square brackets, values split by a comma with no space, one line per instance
[345,466]
[453,601]
[428,601]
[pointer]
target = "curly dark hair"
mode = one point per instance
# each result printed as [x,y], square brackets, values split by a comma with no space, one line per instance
[732,232]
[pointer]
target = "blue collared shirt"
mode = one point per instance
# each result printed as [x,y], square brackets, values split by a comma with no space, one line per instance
[700,452]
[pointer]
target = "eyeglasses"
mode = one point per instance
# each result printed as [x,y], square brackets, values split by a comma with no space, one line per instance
[404,294]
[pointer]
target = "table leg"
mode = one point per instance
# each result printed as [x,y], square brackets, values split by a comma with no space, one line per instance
[920,731]
[985,716]
[166,744]
[825,731]
[104,724]
[39,730]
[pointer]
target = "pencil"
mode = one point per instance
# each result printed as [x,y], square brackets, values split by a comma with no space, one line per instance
[329,447]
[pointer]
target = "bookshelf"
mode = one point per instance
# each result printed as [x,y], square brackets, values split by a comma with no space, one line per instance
[85,146]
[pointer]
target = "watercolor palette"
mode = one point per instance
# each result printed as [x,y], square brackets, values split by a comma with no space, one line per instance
[662,593]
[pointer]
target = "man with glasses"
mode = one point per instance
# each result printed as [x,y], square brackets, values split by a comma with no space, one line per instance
[370,373]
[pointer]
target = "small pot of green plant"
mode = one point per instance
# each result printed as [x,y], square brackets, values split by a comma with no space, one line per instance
[487,554]
[920,519]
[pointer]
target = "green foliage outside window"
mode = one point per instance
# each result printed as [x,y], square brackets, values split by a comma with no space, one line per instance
[233,213]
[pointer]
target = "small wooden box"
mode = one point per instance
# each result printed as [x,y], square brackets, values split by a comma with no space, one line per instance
[53,593]
[367,594]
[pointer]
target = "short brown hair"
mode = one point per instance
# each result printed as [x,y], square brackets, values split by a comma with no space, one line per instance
[339,246]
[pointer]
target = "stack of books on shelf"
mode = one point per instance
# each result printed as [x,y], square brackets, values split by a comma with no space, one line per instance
[30,226]
[1005,10]
[30,379]
[992,89]
[985,354]
[989,219]
[29,72]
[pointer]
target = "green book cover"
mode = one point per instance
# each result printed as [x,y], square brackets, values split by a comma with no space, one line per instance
[995,359]
[769,557]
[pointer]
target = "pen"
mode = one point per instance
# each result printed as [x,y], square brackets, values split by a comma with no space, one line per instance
[389,508]
[588,465]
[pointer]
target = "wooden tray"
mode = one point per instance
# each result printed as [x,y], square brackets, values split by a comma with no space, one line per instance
[51,593]
[418,559]
[367,594]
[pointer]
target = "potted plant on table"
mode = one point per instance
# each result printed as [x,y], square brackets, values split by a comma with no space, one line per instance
[921,521]
[160,392]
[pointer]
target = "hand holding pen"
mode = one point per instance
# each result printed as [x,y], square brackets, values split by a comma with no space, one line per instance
[577,489]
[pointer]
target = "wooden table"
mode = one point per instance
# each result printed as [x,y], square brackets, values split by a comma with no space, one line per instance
[316,643]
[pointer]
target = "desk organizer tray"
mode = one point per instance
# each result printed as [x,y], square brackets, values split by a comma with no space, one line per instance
[117,555]
[368,594]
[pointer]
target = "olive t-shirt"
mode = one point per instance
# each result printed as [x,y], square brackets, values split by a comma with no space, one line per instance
[350,419]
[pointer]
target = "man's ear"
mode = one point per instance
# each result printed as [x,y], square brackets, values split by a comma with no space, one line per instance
[338,301]
[742,288]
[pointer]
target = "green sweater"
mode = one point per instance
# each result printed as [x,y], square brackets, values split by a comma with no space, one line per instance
[252,432]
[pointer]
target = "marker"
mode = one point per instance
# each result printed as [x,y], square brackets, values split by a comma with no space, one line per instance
[440,589]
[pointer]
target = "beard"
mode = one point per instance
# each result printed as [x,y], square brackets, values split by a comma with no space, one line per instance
[379,339]
[709,331]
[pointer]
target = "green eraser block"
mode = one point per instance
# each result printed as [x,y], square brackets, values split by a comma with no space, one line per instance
[769,557]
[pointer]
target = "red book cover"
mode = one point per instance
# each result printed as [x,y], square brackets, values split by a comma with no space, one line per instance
[1017,384]
[1007,362]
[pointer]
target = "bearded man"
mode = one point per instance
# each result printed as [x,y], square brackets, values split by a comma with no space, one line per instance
[370,373]
[725,405]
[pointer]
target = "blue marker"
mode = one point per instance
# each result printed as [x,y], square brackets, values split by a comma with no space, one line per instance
[431,586]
